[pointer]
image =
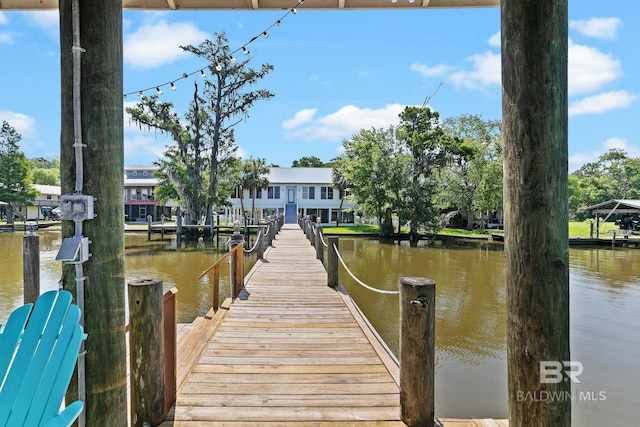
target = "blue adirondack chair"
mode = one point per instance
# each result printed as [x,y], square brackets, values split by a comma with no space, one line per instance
[39,347]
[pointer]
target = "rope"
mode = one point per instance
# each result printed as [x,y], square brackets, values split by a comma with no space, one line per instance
[258,237]
[361,283]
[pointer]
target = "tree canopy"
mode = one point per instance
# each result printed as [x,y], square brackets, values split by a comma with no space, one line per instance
[15,173]
[203,142]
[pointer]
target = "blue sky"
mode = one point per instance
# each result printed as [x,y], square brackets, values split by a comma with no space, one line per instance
[336,72]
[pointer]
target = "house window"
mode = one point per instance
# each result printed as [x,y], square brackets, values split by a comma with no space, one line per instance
[326,193]
[144,173]
[134,173]
[48,196]
[236,193]
[273,192]
[258,193]
[309,193]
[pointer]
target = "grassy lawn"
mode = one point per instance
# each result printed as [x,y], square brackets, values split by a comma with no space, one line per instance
[576,229]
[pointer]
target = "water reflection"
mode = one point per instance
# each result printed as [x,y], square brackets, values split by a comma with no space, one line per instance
[470,314]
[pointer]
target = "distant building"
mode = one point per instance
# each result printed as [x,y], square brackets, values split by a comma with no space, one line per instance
[139,201]
[295,192]
[48,198]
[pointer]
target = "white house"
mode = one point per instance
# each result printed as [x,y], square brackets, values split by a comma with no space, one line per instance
[48,197]
[296,192]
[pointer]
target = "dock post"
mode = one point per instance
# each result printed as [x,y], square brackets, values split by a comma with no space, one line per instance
[417,350]
[149,218]
[146,354]
[260,242]
[170,325]
[31,267]
[235,263]
[332,262]
[319,248]
[179,229]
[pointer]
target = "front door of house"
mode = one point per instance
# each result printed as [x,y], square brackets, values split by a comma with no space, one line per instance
[291,194]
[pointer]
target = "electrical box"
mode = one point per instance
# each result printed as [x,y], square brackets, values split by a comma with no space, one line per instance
[74,250]
[76,207]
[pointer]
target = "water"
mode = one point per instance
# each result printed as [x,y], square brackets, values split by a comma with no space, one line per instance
[471,371]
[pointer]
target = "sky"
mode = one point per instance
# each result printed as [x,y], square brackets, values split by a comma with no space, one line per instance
[335,73]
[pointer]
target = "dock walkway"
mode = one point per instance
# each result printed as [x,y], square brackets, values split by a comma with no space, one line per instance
[296,352]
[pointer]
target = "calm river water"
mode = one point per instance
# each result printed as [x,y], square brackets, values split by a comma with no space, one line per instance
[471,315]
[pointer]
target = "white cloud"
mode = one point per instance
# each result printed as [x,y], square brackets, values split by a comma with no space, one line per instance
[3,18]
[158,43]
[590,69]
[602,28]
[142,145]
[436,70]
[22,123]
[578,160]
[47,20]
[602,103]
[300,118]
[494,40]
[344,123]
[486,71]
[6,38]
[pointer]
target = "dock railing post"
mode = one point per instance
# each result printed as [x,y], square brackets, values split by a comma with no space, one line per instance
[146,352]
[417,350]
[31,267]
[170,311]
[235,261]
[319,239]
[260,243]
[332,262]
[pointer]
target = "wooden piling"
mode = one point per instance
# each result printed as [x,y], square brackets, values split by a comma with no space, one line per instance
[332,262]
[260,242]
[31,267]
[146,352]
[170,311]
[417,350]
[319,245]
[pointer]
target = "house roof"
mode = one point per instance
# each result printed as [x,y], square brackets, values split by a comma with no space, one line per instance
[47,189]
[619,206]
[260,4]
[141,182]
[300,176]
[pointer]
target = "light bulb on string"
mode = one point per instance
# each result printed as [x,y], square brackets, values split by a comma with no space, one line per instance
[159,90]
[140,93]
[233,60]
[203,74]
[278,23]
[245,50]
[218,67]
[185,75]
[173,86]
[266,35]
[294,11]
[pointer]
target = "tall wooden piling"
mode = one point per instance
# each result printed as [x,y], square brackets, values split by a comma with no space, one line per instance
[31,267]
[146,352]
[535,115]
[260,242]
[319,244]
[417,350]
[332,262]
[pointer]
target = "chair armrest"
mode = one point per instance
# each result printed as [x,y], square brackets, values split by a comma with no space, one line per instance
[67,416]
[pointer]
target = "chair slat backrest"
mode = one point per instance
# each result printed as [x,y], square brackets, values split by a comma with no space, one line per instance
[39,372]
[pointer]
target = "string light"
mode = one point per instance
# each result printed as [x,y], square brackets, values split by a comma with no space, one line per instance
[218,67]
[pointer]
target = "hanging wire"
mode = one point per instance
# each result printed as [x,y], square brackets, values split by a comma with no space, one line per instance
[360,282]
[264,33]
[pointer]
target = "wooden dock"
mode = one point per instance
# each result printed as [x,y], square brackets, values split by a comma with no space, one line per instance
[295,353]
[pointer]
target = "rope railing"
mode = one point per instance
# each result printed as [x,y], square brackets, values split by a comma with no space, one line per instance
[255,245]
[360,282]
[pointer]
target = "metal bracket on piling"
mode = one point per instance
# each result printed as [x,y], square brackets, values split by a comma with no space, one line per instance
[421,302]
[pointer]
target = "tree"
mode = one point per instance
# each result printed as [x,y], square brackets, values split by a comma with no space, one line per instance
[473,179]
[254,176]
[15,177]
[339,183]
[430,149]
[308,162]
[205,142]
[45,171]
[614,175]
